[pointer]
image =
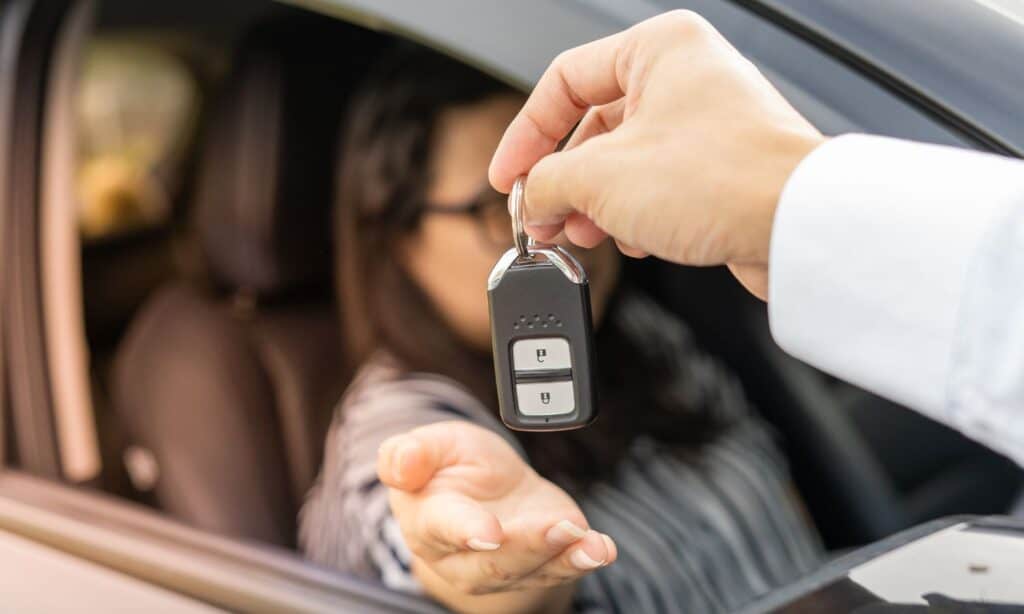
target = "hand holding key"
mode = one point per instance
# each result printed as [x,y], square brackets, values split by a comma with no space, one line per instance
[479,520]
[682,151]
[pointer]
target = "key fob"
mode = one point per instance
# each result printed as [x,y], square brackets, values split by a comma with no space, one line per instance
[541,334]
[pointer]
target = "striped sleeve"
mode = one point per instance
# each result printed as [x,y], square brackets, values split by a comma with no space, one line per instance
[346,521]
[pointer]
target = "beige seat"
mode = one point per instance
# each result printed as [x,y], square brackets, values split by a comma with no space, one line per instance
[230,384]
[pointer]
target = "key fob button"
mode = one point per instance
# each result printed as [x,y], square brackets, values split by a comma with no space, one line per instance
[541,354]
[545,398]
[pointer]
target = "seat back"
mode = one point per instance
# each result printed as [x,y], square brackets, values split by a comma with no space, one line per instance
[226,387]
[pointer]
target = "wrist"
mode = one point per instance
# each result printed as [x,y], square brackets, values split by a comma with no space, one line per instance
[789,151]
[460,599]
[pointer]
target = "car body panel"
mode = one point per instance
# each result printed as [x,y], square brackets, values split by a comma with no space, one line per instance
[959,59]
[30,570]
[519,40]
[953,564]
[209,569]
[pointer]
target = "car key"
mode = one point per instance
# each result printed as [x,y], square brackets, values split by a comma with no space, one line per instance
[541,333]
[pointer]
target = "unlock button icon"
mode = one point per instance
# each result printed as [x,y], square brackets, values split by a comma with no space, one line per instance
[545,398]
[541,354]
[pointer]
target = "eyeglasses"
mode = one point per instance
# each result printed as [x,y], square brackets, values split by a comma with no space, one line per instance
[490,211]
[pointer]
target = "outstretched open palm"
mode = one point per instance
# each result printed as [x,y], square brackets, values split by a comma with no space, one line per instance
[474,513]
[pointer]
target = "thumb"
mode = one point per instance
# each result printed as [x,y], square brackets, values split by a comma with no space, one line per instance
[566,181]
[408,461]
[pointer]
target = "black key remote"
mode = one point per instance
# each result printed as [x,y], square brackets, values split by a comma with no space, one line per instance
[542,337]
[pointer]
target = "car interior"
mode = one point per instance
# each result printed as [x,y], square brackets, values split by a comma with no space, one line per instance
[206,354]
[256,337]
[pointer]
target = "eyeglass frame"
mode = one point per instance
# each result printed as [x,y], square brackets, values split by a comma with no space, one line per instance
[475,208]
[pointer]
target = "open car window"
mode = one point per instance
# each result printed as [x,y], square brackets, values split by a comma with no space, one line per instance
[136,114]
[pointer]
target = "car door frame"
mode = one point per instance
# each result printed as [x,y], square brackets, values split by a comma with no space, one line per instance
[167,556]
[30,29]
[22,334]
[940,80]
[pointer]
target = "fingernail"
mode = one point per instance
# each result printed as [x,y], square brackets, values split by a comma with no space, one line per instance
[398,456]
[609,545]
[582,560]
[563,534]
[481,546]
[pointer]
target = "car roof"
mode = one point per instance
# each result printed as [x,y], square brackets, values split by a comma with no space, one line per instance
[515,40]
[971,82]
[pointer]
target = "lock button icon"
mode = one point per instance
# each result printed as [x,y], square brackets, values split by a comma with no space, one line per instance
[545,398]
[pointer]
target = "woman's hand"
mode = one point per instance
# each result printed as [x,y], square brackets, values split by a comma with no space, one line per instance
[479,520]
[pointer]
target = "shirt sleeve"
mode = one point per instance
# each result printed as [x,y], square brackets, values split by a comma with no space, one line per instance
[899,267]
[346,520]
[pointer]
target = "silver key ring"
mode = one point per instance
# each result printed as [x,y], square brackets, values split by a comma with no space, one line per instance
[516,202]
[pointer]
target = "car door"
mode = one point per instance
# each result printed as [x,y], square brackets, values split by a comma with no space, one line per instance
[121,557]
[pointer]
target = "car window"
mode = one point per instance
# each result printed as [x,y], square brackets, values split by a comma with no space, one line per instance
[136,115]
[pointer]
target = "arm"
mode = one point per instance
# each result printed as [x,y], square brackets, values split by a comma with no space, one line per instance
[900,267]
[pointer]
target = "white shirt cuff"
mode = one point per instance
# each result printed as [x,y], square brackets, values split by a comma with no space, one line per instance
[869,255]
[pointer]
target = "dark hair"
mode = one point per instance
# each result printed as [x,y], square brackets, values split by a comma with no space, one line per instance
[383,179]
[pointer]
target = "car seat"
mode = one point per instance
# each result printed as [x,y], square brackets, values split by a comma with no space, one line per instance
[226,387]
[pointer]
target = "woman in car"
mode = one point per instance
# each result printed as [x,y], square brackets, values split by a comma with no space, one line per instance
[675,499]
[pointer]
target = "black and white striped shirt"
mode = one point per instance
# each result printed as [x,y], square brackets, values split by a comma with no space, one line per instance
[705,531]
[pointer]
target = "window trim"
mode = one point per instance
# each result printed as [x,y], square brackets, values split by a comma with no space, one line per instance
[60,257]
[30,29]
[818,24]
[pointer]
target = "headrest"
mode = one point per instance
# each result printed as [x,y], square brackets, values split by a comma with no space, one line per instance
[265,182]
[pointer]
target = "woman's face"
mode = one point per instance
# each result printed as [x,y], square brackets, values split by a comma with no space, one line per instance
[450,256]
